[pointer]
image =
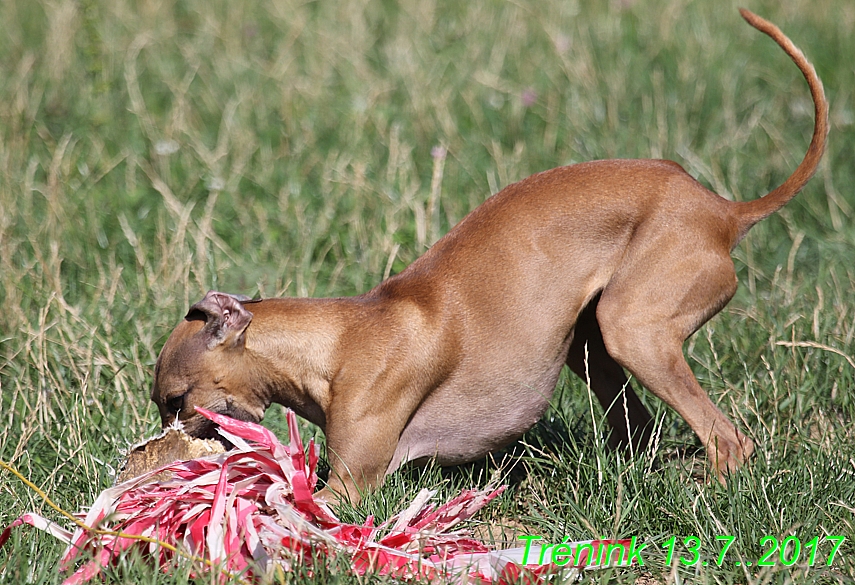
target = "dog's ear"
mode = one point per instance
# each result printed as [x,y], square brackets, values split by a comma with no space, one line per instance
[225,318]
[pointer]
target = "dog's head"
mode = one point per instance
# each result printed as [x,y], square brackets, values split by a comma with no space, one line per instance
[203,363]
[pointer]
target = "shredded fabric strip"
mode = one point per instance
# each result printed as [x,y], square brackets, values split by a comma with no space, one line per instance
[251,511]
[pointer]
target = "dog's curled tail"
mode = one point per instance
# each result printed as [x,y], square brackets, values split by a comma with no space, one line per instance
[749,213]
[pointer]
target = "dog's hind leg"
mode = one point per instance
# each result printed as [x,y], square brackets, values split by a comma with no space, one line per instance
[588,359]
[645,318]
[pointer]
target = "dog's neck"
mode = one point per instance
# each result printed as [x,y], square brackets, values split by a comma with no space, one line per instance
[293,346]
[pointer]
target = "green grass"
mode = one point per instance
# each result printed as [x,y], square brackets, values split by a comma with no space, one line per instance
[150,151]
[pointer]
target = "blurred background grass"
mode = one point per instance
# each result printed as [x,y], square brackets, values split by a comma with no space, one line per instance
[152,150]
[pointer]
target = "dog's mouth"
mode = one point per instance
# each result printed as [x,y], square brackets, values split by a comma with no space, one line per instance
[200,427]
[211,431]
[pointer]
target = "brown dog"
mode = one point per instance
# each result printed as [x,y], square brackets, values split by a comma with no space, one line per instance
[601,266]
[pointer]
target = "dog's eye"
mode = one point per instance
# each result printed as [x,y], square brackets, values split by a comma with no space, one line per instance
[175,404]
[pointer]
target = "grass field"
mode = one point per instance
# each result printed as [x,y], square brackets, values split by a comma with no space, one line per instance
[152,150]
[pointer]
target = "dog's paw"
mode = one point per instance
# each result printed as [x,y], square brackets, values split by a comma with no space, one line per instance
[727,455]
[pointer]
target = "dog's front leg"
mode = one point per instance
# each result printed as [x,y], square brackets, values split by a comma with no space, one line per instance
[359,449]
